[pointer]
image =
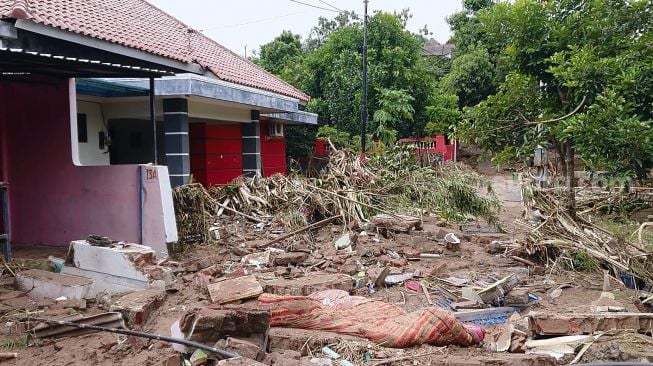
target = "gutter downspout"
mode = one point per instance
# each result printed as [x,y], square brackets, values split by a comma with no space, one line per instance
[140,204]
[153,121]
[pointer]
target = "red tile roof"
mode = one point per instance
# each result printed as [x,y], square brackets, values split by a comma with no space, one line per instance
[140,25]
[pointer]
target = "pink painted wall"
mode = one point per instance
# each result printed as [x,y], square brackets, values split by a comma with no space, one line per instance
[53,201]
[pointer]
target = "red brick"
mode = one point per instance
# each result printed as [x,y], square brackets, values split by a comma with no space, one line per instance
[211,325]
[545,324]
[307,285]
[294,258]
[138,306]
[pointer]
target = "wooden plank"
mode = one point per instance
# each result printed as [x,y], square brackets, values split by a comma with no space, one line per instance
[234,289]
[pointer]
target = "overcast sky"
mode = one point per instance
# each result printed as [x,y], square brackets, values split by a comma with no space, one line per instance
[239,23]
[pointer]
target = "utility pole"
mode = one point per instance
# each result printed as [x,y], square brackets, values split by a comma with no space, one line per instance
[245,51]
[364,86]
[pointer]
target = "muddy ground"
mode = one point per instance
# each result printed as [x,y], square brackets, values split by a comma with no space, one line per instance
[472,262]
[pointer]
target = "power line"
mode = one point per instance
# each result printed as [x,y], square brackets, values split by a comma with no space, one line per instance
[327,4]
[315,6]
[254,21]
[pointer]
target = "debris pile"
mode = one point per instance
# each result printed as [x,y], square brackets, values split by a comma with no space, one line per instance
[553,235]
[347,188]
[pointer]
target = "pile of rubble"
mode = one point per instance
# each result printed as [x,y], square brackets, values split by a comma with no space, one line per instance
[346,191]
[348,281]
[237,299]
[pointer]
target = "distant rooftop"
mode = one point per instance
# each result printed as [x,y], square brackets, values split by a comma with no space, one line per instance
[435,48]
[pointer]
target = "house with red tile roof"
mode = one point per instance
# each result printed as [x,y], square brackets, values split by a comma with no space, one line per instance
[104,105]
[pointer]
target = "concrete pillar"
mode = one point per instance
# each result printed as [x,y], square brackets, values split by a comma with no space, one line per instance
[175,117]
[251,138]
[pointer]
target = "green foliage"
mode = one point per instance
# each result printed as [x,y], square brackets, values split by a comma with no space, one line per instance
[299,141]
[452,190]
[609,136]
[394,109]
[16,343]
[334,73]
[283,57]
[443,114]
[339,139]
[499,125]
[471,77]
[581,261]
[560,57]
[325,27]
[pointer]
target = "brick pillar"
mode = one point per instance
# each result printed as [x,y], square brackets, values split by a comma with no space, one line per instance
[251,138]
[175,117]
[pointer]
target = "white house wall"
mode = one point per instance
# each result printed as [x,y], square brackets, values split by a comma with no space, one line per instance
[90,152]
[218,112]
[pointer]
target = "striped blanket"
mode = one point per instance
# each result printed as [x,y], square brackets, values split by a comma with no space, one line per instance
[380,322]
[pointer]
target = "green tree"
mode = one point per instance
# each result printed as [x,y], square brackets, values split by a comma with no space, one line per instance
[319,34]
[334,72]
[472,77]
[283,57]
[443,114]
[580,76]
[394,110]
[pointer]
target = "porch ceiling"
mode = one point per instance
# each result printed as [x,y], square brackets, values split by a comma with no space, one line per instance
[15,62]
[26,52]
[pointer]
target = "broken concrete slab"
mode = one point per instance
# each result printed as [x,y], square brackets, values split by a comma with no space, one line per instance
[556,347]
[116,269]
[257,259]
[102,282]
[234,289]
[498,338]
[41,284]
[136,307]
[303,340]
[305,286]
[346,240]
[547,324]
[126,260]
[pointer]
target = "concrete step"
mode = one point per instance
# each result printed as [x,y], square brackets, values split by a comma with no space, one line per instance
[39,284]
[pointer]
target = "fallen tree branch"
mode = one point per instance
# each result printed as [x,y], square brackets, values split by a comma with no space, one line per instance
[239,213]
[215,351]
[354,201]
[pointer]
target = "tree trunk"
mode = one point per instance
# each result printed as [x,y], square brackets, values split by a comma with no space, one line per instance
[570,199]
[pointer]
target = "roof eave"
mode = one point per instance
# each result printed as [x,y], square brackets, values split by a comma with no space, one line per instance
[211,88]
[299,117]
[119,49]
